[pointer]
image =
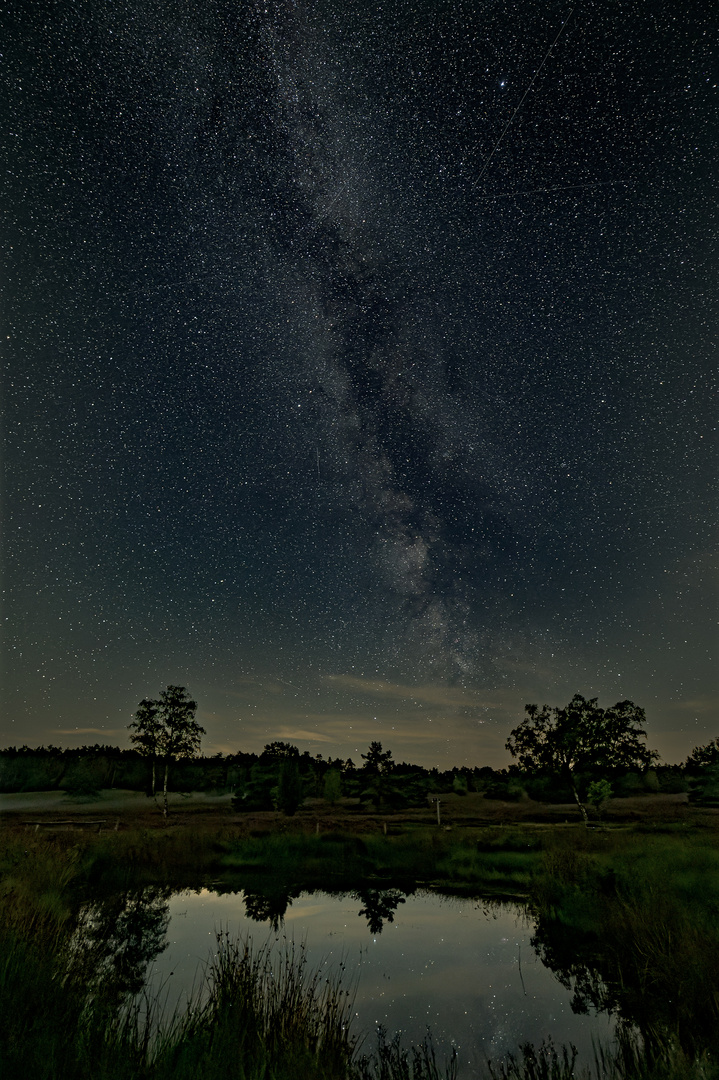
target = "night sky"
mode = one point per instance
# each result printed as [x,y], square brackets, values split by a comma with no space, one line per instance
[358,369]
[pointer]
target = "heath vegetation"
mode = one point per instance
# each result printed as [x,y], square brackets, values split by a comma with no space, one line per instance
[625,912]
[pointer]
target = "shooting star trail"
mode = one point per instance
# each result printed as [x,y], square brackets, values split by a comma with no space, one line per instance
[521,100]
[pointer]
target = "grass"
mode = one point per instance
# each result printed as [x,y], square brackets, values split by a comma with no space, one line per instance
[486,859]
[264,1016]
[628,917]
[628,1061]
[62,1017]
[633,918]
[64,1014]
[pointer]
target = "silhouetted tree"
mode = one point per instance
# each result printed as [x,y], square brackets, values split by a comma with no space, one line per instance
[288,793]
[167,729]
[146,731]
[277,751]
[332,786]
[581,738]
[376,761]
[180,731]
[375,772]
[703,756]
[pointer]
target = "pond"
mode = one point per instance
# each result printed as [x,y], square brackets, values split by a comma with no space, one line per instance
[464,968]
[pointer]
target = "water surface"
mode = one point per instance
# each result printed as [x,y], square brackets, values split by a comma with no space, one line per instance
[465,968]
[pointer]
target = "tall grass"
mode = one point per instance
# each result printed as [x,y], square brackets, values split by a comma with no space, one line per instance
[628,1060]
[634,914]
[263,1015]
[632,920]
[393,1061]
[259,1015]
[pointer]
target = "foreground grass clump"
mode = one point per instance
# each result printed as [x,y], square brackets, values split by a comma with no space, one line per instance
[263,1016]
[629,1060]
[258,1020]
[259,1016]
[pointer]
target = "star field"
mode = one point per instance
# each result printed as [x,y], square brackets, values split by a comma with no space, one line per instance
[358,369]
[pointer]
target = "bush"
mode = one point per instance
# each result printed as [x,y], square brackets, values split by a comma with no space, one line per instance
[332,786]
[459,784]
[508,789]
[628,784]
[672,781]
[81,781]
[552,789]
[597,794]
[288,793]
[705,789]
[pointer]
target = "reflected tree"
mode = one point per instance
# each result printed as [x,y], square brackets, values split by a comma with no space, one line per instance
[572,959]
[667,990]
[115,942]
[379,904]
[269,906]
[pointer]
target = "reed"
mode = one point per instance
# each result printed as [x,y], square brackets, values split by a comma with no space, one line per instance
[643,903]
[393,1061]
[638,911]
[258,1015]
[630,1059]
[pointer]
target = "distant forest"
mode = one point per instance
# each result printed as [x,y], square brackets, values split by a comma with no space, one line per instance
[282,777]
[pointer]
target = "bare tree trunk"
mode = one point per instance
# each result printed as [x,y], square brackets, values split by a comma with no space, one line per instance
[153,777]
[578,801]
[164,790]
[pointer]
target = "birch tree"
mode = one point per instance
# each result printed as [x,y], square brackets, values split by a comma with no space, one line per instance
[145,733]
[581,739]
[165,730]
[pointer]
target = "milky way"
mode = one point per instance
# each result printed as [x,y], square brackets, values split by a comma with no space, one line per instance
[359,368]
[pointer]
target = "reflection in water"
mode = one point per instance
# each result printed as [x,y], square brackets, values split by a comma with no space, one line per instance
[380,904]
[476,973]
[484,976]
[115,941]
[559,948]
[667,991]
[269,905]
[463,968]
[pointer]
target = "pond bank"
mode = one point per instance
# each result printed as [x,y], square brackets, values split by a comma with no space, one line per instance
[628,915]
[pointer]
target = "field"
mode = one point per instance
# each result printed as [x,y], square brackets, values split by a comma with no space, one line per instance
[131,809]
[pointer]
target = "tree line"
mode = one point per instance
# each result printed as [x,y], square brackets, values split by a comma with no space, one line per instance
[579,753]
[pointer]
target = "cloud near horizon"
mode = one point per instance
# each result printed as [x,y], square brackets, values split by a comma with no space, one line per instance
[449,697]
[87,731]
